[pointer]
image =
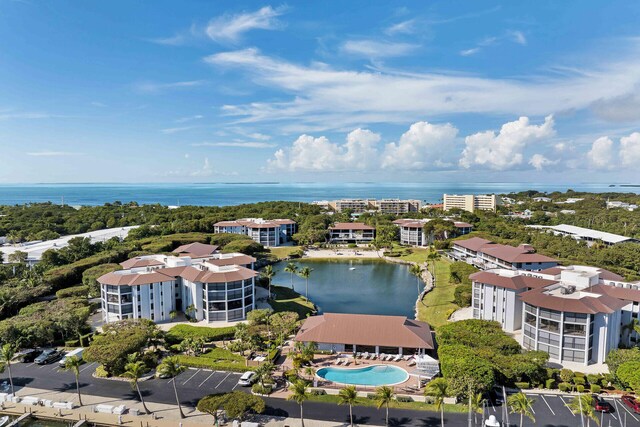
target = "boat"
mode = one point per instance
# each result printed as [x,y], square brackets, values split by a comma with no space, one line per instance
[352,268]
[3,420]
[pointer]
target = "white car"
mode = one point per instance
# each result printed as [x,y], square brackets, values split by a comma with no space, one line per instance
[247,379]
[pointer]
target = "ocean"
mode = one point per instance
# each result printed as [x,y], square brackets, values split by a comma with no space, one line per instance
[225,194]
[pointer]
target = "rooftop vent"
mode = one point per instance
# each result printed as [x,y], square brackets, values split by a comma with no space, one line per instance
[568,290]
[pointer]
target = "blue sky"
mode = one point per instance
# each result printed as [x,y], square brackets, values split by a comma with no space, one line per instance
[196,91]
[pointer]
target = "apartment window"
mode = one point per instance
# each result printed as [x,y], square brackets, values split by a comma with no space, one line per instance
[530,319]
[547,338]
[151,306]
[549,325]
[575,318]
[570,329]
[550,314]
[574,342]
[573,356]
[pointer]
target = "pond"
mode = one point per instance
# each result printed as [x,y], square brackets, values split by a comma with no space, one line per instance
[356,286]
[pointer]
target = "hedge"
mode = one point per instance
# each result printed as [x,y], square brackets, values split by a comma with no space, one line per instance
[595,388]
[565,387]
[404,399]
[203,362]
[522,385]
[180,332]
[550,384]
[579,380]
[580,388]
[74,291]
[317,392]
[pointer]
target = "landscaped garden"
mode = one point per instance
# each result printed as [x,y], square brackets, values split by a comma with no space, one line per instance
[438,304]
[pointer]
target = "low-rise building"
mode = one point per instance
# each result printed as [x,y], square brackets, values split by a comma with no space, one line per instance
[351,232]
[412,231]
[486,254]
[621,205]
[386,206]
[196,280]
[542,199]
[273,232]
[397,206]
[586,234]
[471,202]
[577,314]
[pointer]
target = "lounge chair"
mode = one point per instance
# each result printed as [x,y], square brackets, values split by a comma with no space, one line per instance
[412,362]
[346,363]
[365,355]
[382,356]
[30,400]
[358,355]
[119,410]
[397,358]
[407,357]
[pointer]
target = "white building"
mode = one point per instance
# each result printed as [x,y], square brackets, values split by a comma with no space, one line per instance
[471,202]
[577,314]
[197,280]
[486,254]
[621,205]
[542,199]
[412,231]
[351,232]
[386,206]
[588,235]
[273,232]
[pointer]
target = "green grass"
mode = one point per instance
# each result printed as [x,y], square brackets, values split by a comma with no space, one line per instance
[218,358]
[438,303]
[289,300]
[418,255]
[283,252]
[363,401]
[182,331]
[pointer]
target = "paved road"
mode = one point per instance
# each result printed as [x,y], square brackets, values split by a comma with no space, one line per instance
[550,410]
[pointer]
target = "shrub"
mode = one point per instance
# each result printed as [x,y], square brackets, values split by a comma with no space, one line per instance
[606,379]
[552,373]
[317,392]
[462,295]
[522,385]
[404,399]
[580,388]
[179,333]
[566,375]
[579,381]
[273,354]
[245,246]
[352,245]
[565,387]
[594,379]
[101,372]
[90,276]
[372,396]
[579,374]
[74,291]
[203,362]
[595,388]
[259,389]
[550,384]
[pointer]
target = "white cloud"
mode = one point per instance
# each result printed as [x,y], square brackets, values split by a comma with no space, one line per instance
[206,169]
[469,52]
[178,38]
[52,153]
[421,146]
[623,108]
[506,149]
[170,131]
[404,27]
[361,150]
[229,28]
[150,87]
[7,115]
[98,104]
[539,161]
[322,97]
[601,154]
[189,118]
[242,144]
[377,48]
[517,37]
[630,150]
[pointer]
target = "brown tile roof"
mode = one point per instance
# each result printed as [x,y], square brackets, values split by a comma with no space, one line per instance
[366,329]
[167,274]
[134,278]
[507,282]
[236,260]
[195,250]
[587,304]
[616,292]
[206,276]
[139,262]
[473,244]
[283,221]
[514,254]
[351,226]
[461,224]
[553,271]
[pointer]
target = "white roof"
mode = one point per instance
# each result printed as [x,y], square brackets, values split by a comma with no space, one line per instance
[586,233]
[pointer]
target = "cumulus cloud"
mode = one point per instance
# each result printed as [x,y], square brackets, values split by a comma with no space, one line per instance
[539,161]
[404,27]
[601,154]
[204,171]
[377,48]
[630,150]
[419,147]
[506,149]
[229,28]
[624,108]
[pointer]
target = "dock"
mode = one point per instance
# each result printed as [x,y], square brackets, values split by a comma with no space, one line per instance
[18,420]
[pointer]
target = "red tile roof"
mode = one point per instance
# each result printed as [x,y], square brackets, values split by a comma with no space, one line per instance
[514,254]
[351,226]
[196,250]
[616,292]
[473,244]
[586,304]
[510,282]
[139,262]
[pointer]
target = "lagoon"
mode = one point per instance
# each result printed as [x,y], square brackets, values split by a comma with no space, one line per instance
[356,286]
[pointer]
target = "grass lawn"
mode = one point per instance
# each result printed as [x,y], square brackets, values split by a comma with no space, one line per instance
[438,303]
[283,252]
[216,358]
[418,255]
[363,401]
[289,300]
[182,331]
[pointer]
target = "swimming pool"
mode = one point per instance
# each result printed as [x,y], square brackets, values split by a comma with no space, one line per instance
[370,375]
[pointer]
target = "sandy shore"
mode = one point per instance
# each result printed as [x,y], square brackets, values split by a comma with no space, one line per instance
[342,253]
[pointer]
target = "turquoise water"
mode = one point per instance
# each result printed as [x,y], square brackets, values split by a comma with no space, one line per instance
[224,194]
[371,375]
[372,287]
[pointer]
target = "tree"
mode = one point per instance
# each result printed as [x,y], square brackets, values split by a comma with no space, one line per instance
[134,370]
[264,371]
[236,404]
[476,401]
[417,271]
[171,367]
[628,374]
[433,256]
[438,389]
[519,403]
[269,273]
[305,273]
[7,353]
[18,257]
[383,397]
[583,404]
[283,323]
[73,364]
[299,394]
[348,396]
[293,269]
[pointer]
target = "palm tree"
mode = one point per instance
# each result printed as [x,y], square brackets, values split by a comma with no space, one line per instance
[299,394]
[171,367]
[348,396]
[269,274]
[476,400]
[438,389]
[293,269]
[309,370]
[7,353]
[384,396]
[583,405]
[72,364]
[433,256]
[264,371]
[519,403]
[305,273]
[417,271]
[134,371]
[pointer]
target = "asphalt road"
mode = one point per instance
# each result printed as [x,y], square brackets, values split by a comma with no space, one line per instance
[193,384]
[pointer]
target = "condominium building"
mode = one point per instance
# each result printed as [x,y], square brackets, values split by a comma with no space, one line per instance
[354,205]
[577,314]
[412,231]
[386,206]
[197,280]
[397,206]
[486,254]
[273,232]
[351,232]
[471,202]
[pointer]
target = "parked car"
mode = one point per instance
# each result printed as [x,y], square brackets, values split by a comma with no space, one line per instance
[28,355]
[631,402]
[247,379]
[47,356]
[601,405]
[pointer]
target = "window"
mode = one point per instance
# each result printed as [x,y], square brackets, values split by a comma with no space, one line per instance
[574,342]
[549,325]
[530,319]
[573,356]
[570,329]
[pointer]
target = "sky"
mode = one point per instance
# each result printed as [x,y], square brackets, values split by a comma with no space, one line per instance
[299,91]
